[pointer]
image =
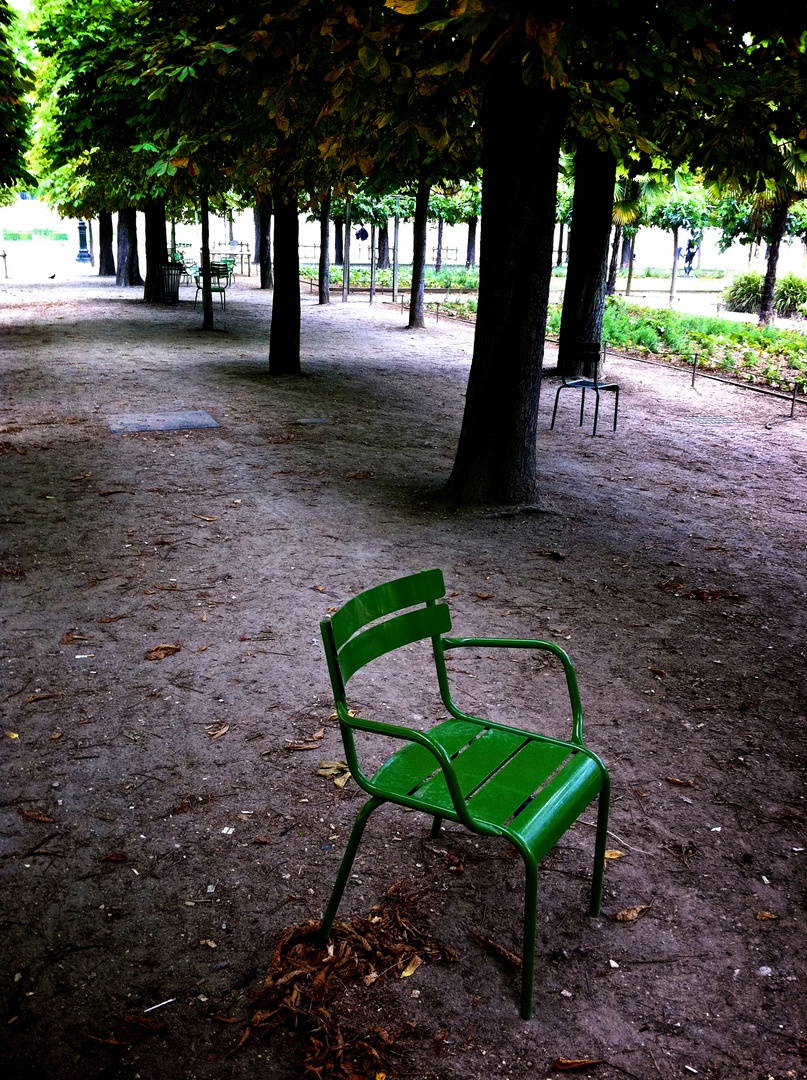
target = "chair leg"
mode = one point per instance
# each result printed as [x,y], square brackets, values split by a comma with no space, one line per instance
[616,405]
[555,410]
[530,921]
[582,405]
[599,847]
[596,412]
[435,829]
[344,871]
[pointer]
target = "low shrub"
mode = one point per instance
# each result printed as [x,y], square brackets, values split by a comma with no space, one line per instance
[791,295]
[745,292]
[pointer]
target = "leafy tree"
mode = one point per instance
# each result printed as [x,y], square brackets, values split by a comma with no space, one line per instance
[683,205]
[15,111]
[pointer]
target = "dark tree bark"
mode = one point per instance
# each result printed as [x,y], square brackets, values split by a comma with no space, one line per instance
[624,258]
[325,250]
[497,456]
[128,261]
[207,294]
[560,245]
[284,336]
[156,250]
[106,257]
[778,223]
[262,217]
[470,255]
[417,313]
[674,276]
[338,250]
[610,287]
[438,262]
[584,294]
[383,247]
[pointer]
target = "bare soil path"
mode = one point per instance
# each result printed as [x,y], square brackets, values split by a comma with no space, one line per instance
[157,834]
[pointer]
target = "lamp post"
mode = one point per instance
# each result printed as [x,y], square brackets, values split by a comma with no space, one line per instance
[83,253]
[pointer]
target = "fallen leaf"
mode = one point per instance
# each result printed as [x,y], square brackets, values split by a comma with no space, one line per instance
[215,731]
[411,967]
[204,518]
[614,854]
[36,815]
[203,648]
[575,1063]
[114,618]
[486,595]
[159,652]
[365,474]
[261,840]
[371,978]
[70,638]
[683,783]
[12,735]
[631,914]
[497,950]
[43,697]
[319,588]
[764,915]
[56,735]
[207,941]
[337,771]
[556,555]
[114,856]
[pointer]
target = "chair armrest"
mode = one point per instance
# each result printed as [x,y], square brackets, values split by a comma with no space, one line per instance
[522,643]
[408,735]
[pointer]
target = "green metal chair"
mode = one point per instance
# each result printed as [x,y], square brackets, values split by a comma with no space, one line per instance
[494,779]
[589,384]
[219,280]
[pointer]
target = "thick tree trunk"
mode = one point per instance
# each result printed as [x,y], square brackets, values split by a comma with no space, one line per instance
[262,218]
[497,455]
[207,294]
[624,258]
[106,257]
[338,250]
[284,336]
[610,287]
[438,262]
[584,294]
[128,262]
[156,250]
[383,247]
[417,313]
[766,300]
[470,254]
[325,250]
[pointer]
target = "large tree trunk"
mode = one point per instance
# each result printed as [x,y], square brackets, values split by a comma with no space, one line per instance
[106,257]
[207,294]
[497,456]
[262,218]
[128,261]
[156,250]
[470,253]
[584,294]
[284,336]
[624,258]
[766,300]
[417,314]
[325,250]
[383,247]
[338,250]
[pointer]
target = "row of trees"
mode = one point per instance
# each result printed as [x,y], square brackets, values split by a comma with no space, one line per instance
[285,104]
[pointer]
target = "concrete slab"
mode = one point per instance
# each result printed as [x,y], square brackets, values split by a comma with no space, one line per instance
[166,421]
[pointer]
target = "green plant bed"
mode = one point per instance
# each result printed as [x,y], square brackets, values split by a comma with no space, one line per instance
[453,278]
[745,351]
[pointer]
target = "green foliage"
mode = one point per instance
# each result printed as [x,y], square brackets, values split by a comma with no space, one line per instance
[15,110]
[745,292]
[790,297]
[456,278]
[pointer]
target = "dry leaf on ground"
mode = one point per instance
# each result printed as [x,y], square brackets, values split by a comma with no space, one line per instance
[159,652]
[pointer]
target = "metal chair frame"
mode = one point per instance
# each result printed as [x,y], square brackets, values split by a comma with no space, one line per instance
[588,384]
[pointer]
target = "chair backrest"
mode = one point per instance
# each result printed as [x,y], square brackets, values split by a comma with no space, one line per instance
[351,642]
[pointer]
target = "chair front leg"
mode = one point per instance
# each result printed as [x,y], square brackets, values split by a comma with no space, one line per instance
[599,848]
[582,405]
[596,412]
[435,829]
[530,921]
[344,871]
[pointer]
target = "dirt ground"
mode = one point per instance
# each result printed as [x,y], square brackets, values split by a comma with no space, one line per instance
[158,829]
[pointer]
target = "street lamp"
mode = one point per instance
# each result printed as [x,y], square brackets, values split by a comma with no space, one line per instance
[83,254]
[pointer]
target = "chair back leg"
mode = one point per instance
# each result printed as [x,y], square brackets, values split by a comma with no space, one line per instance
[599,846]
[344,871]
[530,924]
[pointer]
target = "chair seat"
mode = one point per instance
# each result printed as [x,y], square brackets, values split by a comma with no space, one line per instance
[506,778]
[589,384]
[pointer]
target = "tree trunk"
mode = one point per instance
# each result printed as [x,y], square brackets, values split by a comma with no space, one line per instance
[674,276]
[610,287]
[497,454]
[325,250]
[207,294]
[262,217]
[766,300]
[338,251]
[383,247]
[470,255]
[560,244]
[631,257]
[417,314]
[106,257]
[128,262]
[627,247]
[284,336]
[438,262]
[584,294]
[156,250]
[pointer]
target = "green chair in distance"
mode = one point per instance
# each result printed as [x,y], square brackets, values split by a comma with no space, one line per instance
[219,280]
[494,779]
[598,359]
